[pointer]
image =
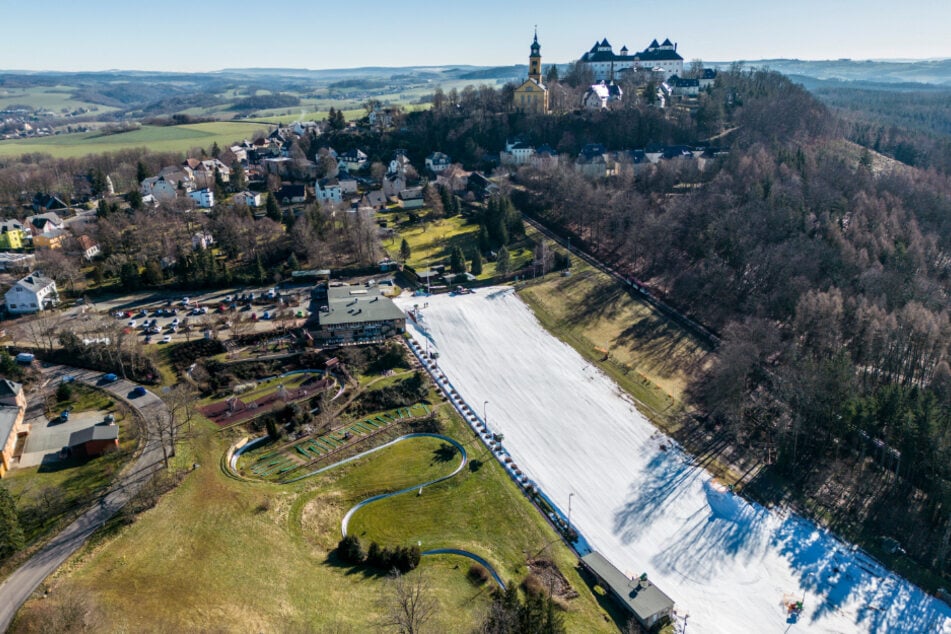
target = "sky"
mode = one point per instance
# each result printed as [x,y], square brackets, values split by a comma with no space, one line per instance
[209,35]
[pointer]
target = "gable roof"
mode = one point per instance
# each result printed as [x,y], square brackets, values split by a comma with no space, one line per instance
[34,282]
[9,389]
[96,432]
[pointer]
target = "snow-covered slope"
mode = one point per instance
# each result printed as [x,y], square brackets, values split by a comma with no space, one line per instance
[641,501]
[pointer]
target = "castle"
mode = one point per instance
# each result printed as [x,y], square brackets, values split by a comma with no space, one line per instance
[606,65]
[532,95]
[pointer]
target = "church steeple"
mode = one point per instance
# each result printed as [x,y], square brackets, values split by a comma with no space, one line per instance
[535,60]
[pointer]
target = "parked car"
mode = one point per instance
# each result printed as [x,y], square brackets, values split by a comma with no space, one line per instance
[137,391]
[109,378]
[166,339]
[131,323]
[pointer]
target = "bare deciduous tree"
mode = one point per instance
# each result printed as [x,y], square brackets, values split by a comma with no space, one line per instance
[408,604]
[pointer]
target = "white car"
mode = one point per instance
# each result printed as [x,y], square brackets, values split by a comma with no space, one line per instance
[166,339]
[131,323]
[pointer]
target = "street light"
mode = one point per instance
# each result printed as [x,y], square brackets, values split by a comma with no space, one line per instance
[570,495]
[485,419]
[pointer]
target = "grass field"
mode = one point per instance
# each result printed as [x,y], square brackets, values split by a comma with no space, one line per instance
[54,98]
[431,242]
[156,138]
[221,554]
[649,356]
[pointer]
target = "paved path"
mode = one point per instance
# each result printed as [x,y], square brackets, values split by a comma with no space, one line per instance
[416,487]
[20,585]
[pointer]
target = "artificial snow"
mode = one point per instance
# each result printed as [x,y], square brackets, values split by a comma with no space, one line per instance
[641,501]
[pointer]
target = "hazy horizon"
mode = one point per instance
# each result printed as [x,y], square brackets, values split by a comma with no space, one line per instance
[215,35]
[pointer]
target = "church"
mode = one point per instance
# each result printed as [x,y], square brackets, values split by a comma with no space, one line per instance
[532,95]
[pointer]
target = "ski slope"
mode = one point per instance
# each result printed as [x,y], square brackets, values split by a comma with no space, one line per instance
[640,501]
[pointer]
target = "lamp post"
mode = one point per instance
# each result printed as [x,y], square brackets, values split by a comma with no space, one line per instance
[485,419]
[570,495]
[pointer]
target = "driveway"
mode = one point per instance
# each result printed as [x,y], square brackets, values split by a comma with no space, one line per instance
[47,437]
[20,585]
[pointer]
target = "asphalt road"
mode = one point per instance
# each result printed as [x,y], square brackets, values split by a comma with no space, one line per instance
[20,585]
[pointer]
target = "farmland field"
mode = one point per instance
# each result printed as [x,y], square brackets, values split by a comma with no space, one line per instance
[54,98]
[159,139]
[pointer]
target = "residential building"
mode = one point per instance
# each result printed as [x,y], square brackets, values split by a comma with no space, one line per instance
[328,190]
[204,198]
[202,240]
[437,162]
[12,235]
[31,294]
[348,184]
[249,199]
[47,202]
[51,240]
[13,431]
[353,159]
[17,262]
[545,157]
[411,198]
[45,224]
[680,87]
[516,152]
[346,315]
[290,194]
[600,96]
[594,161]
[88,246]
[374,199]
[532,95]
[605,65]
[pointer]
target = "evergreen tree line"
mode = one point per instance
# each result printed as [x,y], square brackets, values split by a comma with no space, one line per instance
[400,558]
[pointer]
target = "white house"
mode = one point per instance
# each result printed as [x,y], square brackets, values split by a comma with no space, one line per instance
[353,159]
[88,246]
[249,199]
[605,64]
[204,198]
[516,152]
[600,95]
[45,224]
[31,294]
[328,190]
[437,162]
[202,240]
[399,163]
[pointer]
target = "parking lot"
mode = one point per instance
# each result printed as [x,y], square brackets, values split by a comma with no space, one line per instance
[168,319]
[48,437]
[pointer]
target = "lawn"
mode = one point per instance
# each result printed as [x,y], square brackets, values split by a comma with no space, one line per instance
[651,357]
[54,98]
[431,243]
[157,138]
[221,554]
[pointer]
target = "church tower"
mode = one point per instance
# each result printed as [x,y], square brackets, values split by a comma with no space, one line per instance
[532,95]
[535,61]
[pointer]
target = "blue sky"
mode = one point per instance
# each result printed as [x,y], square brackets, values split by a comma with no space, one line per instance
[212,34]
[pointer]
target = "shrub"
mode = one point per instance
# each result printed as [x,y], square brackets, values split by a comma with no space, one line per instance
[478,574]
[351,551]
[64,392]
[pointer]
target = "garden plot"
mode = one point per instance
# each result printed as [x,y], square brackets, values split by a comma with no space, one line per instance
[640,501]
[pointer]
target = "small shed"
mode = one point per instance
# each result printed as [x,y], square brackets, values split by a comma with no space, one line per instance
[94,441]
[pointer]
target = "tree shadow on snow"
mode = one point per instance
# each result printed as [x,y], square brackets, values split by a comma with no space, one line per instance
[839,575]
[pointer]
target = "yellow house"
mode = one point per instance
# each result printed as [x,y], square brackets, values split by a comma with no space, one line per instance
[12,428]
[532,95]
[53,240]
[11,235]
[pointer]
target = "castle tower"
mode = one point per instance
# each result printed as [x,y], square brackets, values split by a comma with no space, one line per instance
[535,60]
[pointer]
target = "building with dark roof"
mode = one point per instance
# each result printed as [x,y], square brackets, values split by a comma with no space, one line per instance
[347,315]
[532,94]
[94,441]
[640,597]
[605,64]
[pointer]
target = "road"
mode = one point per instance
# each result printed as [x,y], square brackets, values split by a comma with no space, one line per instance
[20,585]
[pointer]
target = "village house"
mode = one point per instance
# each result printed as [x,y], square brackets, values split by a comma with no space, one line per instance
[204,198]
[202,240]
[411,198]
[437,162]
[47,202]
[601,96]
[328,190]
[13,431]
[45,224]
[249,199]
[544,158]
[353,159]
[594,161]
[373,199]
[88,247]
[54,239]
[31,294]
[516,152]
[290,194]
[17,262]
[12,235]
